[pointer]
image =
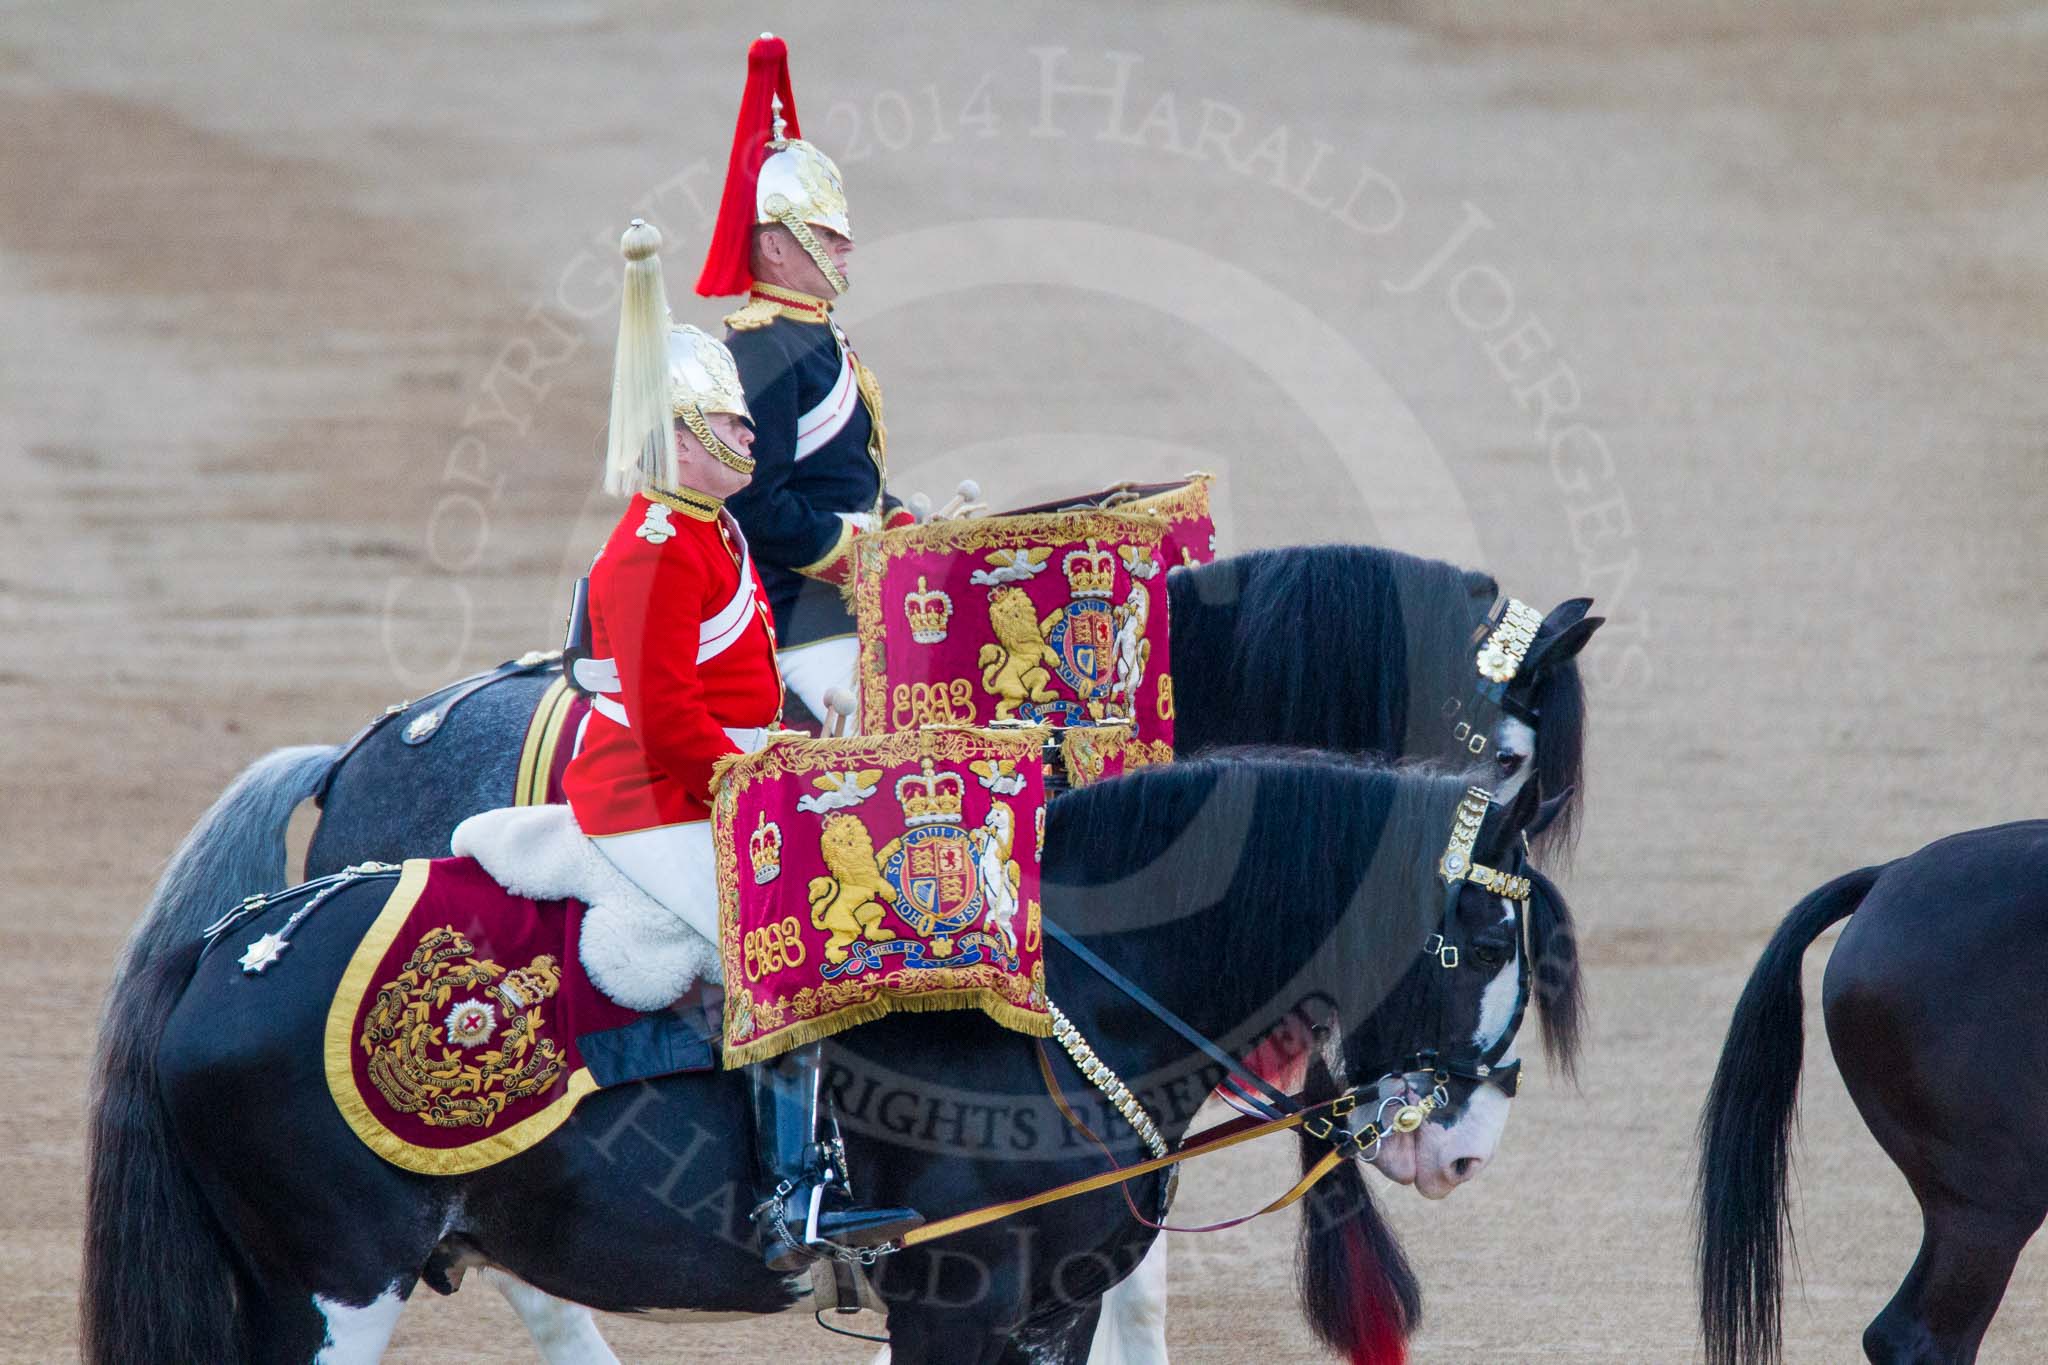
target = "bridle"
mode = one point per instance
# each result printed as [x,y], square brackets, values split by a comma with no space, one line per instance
[1497,662]
[1268,1110]
[1481,1065]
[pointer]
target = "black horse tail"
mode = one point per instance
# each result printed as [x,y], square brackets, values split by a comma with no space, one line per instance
[1744,1227]
[1358,1291]
[159,1278]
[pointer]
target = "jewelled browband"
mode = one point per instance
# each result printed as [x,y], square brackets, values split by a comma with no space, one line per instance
[1504,650]
[1457,865]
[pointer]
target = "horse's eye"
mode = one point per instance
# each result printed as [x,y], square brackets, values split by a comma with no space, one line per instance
[1508,760]
[1488,955]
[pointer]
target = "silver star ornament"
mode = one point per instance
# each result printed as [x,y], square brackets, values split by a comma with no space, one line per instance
[263,952]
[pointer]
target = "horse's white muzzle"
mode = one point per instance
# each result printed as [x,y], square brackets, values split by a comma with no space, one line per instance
[1438,1157]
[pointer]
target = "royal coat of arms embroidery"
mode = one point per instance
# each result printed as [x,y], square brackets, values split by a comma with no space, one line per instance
[1071,629]
[914,890]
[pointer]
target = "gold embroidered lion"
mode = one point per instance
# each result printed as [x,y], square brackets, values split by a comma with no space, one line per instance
[849,904]
[1013,669]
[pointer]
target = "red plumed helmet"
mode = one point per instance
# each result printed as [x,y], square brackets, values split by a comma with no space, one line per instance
[774,177]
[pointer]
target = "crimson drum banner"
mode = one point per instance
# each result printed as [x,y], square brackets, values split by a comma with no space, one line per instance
[1055,618]
[873,874]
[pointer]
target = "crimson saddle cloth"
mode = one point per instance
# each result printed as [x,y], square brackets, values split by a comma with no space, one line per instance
[465,1029]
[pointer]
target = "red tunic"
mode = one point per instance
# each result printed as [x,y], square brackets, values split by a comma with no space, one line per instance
[693,656]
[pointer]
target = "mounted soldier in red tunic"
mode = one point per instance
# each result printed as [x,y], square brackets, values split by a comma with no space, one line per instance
[782,238]
[680,666]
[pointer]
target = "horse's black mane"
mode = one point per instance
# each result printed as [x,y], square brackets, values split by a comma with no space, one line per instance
[1265,644]
[1255,831]
[1352,648]
[1262,825]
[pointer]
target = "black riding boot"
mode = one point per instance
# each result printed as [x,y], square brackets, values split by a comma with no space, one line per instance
[804,1180]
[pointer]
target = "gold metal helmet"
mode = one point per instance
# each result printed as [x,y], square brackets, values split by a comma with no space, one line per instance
[800,188]
[702,379]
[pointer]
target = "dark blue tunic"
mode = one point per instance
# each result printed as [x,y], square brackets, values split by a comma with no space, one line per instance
[790,512]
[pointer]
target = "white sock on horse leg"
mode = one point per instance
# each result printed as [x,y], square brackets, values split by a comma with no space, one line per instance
[1132,1329]
[565,1333]
[358,1336]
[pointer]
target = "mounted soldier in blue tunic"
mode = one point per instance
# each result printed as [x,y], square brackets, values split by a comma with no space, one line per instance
[783,239]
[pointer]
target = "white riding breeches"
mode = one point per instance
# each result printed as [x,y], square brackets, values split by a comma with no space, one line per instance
[813,669]
[675,866]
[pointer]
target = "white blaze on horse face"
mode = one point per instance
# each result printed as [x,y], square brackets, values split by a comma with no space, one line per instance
[1497,1002]
[1448,1155]
[1516,738]
[1442,1156]
[357,1335]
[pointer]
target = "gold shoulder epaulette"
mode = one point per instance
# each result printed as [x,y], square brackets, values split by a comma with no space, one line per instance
[752,315]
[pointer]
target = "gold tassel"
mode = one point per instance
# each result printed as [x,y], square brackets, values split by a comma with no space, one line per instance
[641,448]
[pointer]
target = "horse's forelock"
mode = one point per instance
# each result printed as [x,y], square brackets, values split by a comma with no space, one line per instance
[1560,700]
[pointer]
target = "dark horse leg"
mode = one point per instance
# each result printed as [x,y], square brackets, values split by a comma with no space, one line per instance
[1932,1073]
[1947,1299]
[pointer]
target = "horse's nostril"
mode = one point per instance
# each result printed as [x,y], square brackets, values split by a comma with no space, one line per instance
[1465,1167]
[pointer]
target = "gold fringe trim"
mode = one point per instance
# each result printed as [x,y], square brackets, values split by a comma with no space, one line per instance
[1018,1020]
[1188,502]
[796,753]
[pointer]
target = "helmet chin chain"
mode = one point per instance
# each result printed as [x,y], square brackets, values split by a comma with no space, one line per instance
[808,240]
[732,459]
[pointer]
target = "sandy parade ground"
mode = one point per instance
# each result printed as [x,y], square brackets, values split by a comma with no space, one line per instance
[1732,319]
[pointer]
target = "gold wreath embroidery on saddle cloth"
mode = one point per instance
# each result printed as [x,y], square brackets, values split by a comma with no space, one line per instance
[420,1033]
[441,1053]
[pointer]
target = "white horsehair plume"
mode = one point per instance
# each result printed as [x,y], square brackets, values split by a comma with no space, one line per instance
[641,448]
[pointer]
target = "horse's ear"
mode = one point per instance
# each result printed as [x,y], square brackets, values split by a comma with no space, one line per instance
[1554,650]
[1524,808]
[1564,615]
[1547,813]
[1504,823]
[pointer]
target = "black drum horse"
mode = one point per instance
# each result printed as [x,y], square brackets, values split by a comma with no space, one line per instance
[1931,997]
[1347,648]
[232,1216]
